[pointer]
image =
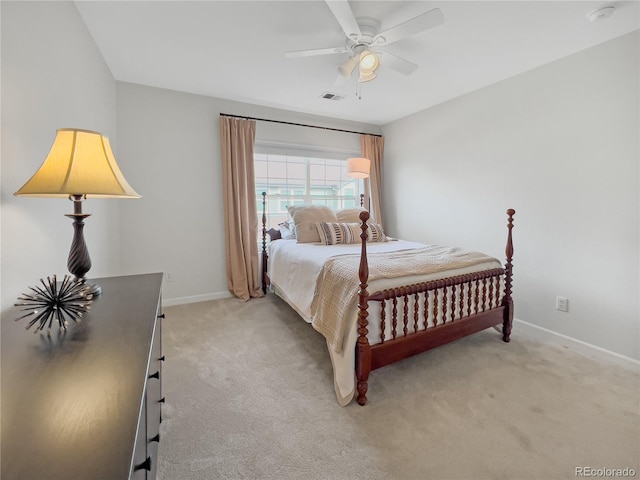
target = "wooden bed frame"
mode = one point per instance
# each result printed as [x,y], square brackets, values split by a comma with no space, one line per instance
[475,295]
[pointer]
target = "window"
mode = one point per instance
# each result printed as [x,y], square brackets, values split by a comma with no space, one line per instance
[294,180]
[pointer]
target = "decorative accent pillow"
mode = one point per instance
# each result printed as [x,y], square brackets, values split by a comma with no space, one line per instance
[274,234]
[288,224]
[305,218]
[375,233]
[286,234]
[342,233]
[349,215]
[336,233]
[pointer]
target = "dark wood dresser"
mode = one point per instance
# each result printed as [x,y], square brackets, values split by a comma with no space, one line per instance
[87,404]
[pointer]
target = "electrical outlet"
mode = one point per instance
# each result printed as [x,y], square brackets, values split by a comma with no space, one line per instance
[562,304]
[168,277]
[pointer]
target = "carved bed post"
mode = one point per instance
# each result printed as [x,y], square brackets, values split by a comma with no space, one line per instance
[507,301]
[363,349]
[264,242]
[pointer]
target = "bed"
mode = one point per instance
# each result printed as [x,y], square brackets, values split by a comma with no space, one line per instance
[381,300]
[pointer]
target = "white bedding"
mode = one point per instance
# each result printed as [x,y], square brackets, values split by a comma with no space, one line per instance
[293,271]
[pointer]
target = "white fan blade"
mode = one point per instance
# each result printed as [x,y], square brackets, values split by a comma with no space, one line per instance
[343,13]
[317,51]
[398,64]
[416,25]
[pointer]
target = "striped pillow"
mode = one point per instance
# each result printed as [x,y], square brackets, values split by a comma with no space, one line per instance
[375,232]
[335,233]
[340,233]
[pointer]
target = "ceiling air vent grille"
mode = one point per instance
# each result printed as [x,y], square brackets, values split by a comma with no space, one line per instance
[332,96]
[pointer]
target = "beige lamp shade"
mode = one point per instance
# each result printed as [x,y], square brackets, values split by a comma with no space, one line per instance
[358,167]
[80,162]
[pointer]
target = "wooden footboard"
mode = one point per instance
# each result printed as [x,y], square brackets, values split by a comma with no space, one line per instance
[459,306]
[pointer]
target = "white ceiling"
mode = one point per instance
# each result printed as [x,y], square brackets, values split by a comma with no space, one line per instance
[235,49]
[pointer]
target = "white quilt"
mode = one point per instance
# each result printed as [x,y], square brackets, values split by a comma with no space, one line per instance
[294,269]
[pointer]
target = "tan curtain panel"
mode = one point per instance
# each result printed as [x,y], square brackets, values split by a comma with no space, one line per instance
[372,148]
[237,138]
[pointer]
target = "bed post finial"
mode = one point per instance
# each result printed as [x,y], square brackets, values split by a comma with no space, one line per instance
[507,301]
[264,242]
[363,349]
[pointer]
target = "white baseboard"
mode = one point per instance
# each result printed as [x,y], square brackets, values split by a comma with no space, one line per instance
[577,345]
[172,302]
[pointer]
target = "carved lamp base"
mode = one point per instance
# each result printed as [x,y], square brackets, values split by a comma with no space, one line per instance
[79,262]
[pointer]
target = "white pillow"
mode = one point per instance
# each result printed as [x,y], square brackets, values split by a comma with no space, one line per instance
[349,215]
[286,234]
[305,218]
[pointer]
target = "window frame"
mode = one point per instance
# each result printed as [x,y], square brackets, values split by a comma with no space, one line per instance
[275,201]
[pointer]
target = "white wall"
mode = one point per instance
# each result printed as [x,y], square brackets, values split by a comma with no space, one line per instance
[53,76]
[170,141]
[560,144]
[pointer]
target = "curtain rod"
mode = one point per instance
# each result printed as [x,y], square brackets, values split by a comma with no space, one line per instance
[298,124]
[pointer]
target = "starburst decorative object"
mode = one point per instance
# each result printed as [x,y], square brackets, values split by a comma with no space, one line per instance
[52,302]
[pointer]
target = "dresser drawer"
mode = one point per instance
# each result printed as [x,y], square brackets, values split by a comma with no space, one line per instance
[140,462]
[154,397]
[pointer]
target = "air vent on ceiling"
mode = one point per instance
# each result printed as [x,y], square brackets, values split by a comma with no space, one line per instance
[332,96]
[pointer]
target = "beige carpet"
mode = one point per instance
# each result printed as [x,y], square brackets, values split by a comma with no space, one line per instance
[250,396]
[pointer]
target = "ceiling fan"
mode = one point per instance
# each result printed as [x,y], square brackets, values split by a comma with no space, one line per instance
[365,43]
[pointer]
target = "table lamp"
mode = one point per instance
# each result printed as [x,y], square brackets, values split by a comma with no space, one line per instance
[80,164]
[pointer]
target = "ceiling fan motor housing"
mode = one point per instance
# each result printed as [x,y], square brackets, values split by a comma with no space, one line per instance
[369,28]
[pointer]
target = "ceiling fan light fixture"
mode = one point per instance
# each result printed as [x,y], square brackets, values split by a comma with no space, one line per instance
[368,62]
[366,76]
[347,67]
